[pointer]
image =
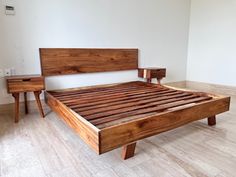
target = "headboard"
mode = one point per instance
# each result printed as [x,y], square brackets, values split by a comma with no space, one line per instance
[62,61]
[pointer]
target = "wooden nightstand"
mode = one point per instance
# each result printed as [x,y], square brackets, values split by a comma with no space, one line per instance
[150,73]
[24,84]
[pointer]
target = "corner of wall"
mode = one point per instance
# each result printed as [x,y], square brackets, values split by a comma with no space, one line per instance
[189,39]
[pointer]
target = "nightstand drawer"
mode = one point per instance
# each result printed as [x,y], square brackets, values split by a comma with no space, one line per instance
[159,73]
[152,73]
[25,84]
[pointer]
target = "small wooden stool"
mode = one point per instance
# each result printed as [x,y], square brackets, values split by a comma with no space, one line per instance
[24,84]
[150,73]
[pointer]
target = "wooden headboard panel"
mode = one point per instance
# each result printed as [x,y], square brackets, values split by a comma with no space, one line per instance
[62,61]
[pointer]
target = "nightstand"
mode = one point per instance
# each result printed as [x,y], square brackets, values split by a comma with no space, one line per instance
[24,84]
[150,73]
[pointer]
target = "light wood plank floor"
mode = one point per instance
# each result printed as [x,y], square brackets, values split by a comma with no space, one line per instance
[37,147]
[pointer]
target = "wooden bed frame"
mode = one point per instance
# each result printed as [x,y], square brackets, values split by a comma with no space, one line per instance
[111,116]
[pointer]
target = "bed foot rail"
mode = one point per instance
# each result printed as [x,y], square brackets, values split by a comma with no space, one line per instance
[128,151]
[212,120]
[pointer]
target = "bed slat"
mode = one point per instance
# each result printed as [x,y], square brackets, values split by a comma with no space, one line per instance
[123,101]
[134,103]
[101,106]
[147,110]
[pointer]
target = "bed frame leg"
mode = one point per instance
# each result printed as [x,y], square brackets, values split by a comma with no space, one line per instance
[128,151]
[211,120]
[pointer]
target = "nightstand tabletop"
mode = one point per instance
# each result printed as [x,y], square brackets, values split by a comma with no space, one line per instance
[23,76]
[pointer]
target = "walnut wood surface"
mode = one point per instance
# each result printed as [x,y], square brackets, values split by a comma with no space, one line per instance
[122,102]
[86,131]
[124,113]
[37,94]
[128,151]
[116,136]
[16,84]
[212,120]
[30,76]
[24,84]
[152,73]
[62,61]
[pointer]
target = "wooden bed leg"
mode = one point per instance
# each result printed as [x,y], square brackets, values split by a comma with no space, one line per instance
[128,151]
[211,120]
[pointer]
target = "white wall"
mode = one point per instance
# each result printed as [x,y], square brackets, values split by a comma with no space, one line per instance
[159,28]
[212,42]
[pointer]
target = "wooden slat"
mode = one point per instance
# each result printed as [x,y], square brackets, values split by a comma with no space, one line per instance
[98,102]
[121,101]
[157,108]
[143,108]
[111,95]
[108,86]
[100,91]
[131,104]
[106,93]
[62,61]
[131,85]
[94,91]
[95,100]
[111,103]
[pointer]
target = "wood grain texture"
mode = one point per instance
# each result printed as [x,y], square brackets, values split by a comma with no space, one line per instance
[23,84]
[128,151]
[150,73]
[111,103]
[87,132]
[117,136]
[62,61]
[119,118]
[37,98]
[29,83]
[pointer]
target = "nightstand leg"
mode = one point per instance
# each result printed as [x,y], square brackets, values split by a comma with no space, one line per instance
[36,94]
[26,103]
[17,103]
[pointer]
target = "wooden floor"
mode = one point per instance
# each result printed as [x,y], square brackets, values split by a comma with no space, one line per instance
[38,147]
